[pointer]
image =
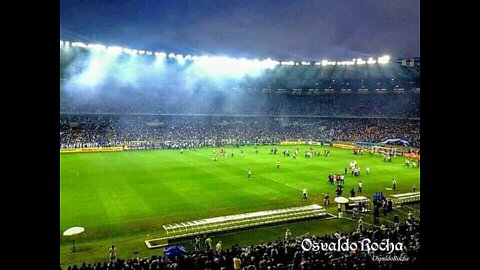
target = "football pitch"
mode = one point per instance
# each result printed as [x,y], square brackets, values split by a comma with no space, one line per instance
[128,196]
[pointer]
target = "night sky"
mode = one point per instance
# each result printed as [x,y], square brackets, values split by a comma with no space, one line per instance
[282,30]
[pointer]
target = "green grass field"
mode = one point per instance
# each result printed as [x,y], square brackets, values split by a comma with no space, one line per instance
[124,198]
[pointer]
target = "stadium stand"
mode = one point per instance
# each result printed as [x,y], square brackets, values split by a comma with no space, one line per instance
[283,254]
[78,131]
[332,103]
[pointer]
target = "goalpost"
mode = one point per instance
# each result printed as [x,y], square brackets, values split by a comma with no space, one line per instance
[387,150]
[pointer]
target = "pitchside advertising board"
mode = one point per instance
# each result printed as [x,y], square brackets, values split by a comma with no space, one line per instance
[326,143]
[91,150]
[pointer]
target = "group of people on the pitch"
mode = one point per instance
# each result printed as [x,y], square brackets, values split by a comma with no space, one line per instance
[334,179]
[415,163]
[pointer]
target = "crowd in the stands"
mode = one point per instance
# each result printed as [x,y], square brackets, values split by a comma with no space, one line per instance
[194,131]
[288,253]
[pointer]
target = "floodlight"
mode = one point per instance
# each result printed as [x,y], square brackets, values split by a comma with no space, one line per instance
[128,51]
[384,59]
[360,61]
[287,63]
[79,44]
[96,46]
[114,50]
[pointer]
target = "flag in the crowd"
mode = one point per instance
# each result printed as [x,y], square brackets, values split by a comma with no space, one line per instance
[409,62]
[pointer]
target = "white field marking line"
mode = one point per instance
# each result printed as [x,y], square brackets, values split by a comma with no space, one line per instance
[411,208]
[77,173]
[288,185]
[405,212]
[332,216]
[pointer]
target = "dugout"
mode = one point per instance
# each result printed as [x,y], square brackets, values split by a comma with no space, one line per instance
[362,203]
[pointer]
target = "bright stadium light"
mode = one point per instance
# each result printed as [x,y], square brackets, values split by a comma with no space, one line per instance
[127,50]
[384,59]
[180,59]
[148,53]
[171,55]
[371,61]
[350,63]
[160,54]
[360,61]
[114,50]
[269,63]
[67,43]
[287,63]
[61,43]
[79,44]
[141,52]
[318,63]
[160,57]
[304,63]
[96,46]
[324,62]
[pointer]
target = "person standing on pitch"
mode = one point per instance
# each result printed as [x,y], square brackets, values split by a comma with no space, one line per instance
[305,194]
[394,183]
[278,164]
[113,254]
[249,174]
[218,247]
[288,235]
[208,244]
[196,243]
[326,199]
[360,224]
[360,186]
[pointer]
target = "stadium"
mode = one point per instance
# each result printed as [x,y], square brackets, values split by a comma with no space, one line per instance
[176,160]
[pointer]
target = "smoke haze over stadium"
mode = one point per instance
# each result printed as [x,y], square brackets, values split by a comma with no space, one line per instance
[229,33]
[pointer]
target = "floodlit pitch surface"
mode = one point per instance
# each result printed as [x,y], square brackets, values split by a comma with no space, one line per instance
[122,196]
